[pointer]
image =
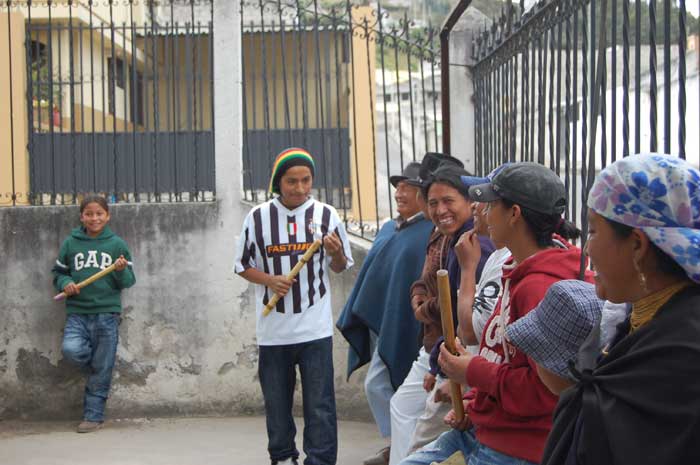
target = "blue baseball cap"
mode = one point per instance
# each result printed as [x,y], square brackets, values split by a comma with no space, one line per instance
[470,181]
[493,173]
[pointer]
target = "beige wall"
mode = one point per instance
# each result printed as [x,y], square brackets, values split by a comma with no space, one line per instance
[170,83]
[95,51]
[351,74]
[18,118]
[121,12]
[297,48]
[362,147]
[61,14]
[96,81]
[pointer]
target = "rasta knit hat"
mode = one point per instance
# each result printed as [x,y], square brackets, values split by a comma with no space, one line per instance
[286,159]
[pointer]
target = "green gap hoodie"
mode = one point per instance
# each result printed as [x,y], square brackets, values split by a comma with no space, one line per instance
[80,257]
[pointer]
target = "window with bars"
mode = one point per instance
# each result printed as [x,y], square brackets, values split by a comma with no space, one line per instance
[115,77]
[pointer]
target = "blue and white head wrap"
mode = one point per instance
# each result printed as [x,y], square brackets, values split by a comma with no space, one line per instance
[659,194]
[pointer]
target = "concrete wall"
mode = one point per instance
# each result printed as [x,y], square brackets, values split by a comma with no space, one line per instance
[187,335]
[188,330]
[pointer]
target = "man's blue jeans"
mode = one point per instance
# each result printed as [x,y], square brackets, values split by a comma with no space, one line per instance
[90,342]
[452,441]
[276,370]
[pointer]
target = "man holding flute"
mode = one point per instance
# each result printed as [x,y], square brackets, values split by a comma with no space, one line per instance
[298,331]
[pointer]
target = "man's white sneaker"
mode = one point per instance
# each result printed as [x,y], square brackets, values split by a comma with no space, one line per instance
[289,461]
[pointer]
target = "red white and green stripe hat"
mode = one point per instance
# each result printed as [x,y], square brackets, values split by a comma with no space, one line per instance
[286,159]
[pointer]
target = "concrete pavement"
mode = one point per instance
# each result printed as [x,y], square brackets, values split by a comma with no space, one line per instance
[181,441]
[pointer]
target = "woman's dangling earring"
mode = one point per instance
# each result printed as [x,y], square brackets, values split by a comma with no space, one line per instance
[642,277]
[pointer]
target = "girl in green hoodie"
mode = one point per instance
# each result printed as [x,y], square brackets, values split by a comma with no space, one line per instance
[91,333]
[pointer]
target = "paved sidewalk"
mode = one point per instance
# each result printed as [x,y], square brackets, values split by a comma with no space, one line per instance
[182,441]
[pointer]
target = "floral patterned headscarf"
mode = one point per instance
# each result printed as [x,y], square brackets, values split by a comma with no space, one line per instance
[659,194]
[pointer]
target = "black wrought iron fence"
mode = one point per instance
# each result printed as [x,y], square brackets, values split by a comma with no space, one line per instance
[108,96]
[356,87]
[547,91]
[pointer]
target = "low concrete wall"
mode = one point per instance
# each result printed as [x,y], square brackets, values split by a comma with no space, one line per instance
[187,342]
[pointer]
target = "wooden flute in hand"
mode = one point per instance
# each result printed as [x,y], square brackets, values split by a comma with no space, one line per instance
[448,330]
[293,273]
[88,281]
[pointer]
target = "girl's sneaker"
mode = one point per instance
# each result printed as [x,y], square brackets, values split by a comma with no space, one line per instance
[89,426]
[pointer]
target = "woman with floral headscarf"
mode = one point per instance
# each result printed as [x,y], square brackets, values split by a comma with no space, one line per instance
[639,402]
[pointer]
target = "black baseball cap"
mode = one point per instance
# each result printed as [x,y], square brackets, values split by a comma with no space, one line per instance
[451,175]
[433,160]
[530,185]
[410,175]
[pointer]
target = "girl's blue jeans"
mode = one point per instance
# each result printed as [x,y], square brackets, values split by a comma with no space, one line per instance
[452,441]
[90,342]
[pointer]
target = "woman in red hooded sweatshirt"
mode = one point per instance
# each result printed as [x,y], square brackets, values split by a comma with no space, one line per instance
[509,409]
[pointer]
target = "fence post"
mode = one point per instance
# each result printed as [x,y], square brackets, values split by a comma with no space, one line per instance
[227,83]
[361,147]
[14,159]
[462,103]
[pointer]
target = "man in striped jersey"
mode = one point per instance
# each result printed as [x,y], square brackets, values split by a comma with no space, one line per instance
[275,235]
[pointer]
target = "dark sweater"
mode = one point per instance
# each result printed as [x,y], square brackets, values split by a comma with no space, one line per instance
[641,403]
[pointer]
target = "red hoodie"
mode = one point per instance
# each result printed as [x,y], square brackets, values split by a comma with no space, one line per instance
[510,407]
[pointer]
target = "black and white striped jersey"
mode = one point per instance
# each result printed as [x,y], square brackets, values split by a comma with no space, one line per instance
[272,240]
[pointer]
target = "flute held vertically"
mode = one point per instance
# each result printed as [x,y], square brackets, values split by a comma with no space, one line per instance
[448,330]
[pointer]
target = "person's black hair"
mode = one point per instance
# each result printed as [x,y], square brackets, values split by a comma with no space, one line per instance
[543,226]
[94,198]
[448,175]
[664,262]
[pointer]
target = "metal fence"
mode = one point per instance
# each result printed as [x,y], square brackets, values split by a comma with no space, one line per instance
[116,97]
[356,87]
[576,84]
